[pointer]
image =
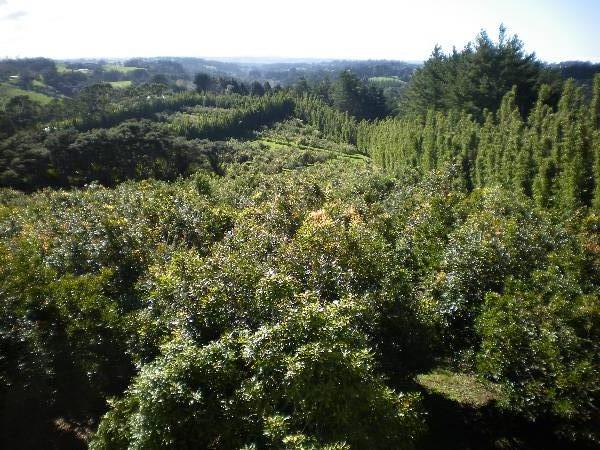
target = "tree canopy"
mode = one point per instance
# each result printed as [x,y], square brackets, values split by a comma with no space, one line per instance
[476,78]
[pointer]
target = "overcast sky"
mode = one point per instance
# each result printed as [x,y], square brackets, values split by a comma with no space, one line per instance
[556,30]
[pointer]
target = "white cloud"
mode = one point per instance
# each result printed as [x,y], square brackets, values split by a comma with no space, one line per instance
[14,15]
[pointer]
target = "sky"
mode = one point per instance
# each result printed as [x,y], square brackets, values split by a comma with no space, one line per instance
[557,30]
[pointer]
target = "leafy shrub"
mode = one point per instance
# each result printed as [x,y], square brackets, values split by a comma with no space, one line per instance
[310,375]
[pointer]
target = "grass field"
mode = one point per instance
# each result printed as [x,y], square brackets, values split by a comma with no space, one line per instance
[61,68]
[8,91]
[39,84]
[387,81]
[462,388]
[120,84]
[119,68]
[276,144]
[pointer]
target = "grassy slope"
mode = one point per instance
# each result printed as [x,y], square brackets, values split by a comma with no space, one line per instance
[465,389]
[276,144]
[120,84]
[119,68]
[376,79]
[8,91]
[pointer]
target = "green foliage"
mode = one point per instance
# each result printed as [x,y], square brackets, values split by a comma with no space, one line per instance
[595,109]
[402,145]
[137,149]
[112,113]
[203,82]
[295,132]
[500,236]
[336,254]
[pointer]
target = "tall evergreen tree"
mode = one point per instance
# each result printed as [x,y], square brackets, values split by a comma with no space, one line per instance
[485,159]
[513,168]
[595,140]
[347,93]
[596,169]
[203,82]
[595,105]
[257,89]
[429,151]
[477,78]
[428,85]
[571,148]
[541,140]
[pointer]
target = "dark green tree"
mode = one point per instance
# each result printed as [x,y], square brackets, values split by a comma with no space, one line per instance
[351,95]
[428,85]
[22,111]
[203,82]
[267,87]
[256,89]
[477,78]
[301,86]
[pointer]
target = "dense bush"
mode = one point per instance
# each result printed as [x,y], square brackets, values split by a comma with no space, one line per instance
[541,343]
[309,378]
[133,150]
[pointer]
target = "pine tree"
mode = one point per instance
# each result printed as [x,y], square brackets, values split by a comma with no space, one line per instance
[595,140]
[427,87]
[429,151]
[595,105]
[476,78]
[542,138]
[510,127]
[347,94]
[571,151]
[596,169]
[468,143]
[484,161]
